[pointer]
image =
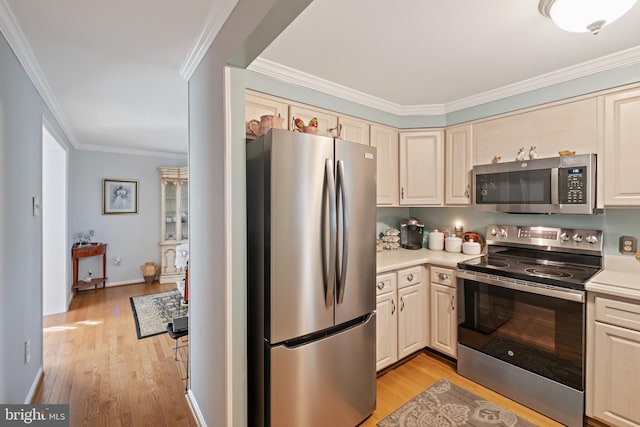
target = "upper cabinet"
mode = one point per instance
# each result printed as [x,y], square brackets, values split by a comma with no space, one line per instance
[352,129]
[567,126]
[385,139]
[458,165]
[257,105]
[421,168]
[620,150]
[327,121]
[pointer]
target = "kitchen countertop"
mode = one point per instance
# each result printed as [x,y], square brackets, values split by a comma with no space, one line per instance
[393,260]
[620,277]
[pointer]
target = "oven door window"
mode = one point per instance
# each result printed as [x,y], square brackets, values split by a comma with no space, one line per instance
[521,187]
[538,333]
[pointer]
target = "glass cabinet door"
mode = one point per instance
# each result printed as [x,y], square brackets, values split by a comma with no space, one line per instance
[170,219]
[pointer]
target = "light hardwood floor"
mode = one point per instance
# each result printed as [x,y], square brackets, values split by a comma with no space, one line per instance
[94,361]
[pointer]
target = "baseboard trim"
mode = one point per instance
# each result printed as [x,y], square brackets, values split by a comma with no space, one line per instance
[35,387]
[195,410]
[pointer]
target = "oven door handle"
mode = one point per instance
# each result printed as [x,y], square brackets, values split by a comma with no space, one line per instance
[524,286]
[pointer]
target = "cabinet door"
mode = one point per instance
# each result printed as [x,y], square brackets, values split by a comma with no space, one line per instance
[621,149]
[354,130]
[443,319]
[257,105]
[458,164]
[616,382]
[385,139]
[411,320]
[387,330]
[327,121]
[421,168]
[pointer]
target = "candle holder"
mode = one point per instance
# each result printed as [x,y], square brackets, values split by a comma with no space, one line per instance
[458,229]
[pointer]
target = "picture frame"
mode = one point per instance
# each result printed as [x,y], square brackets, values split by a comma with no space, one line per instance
[119,196]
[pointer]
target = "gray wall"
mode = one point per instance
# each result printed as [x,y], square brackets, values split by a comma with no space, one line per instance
[21,116]
[133,237]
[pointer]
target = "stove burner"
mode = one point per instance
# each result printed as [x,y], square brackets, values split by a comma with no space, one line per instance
[497,262]
[547,272]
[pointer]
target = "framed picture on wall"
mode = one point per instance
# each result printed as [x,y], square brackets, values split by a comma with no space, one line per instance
[119,196]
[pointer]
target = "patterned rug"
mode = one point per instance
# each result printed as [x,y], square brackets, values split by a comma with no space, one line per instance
[152,312]
[446,405]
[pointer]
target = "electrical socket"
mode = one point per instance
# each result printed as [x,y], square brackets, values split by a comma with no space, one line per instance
[628,245]
[27,351]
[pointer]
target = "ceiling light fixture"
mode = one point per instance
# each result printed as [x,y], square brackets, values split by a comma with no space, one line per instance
[579,16]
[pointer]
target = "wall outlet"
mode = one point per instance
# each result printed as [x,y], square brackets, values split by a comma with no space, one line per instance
[27,351]
[628,245]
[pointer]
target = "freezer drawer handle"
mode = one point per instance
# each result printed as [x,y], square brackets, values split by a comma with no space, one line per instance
[342,265]
[330,263]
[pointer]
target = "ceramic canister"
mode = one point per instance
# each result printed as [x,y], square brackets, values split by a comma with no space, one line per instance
[453,244]
[472,248]
[436,240]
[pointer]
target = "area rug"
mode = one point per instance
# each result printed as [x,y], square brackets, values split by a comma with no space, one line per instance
[446,405]
[152,312]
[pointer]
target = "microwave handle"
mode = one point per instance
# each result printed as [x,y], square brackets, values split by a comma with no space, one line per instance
[554,186]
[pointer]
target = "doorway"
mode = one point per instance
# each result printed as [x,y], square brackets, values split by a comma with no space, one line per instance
[55,253]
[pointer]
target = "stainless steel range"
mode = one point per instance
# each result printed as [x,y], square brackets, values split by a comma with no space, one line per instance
[521,325]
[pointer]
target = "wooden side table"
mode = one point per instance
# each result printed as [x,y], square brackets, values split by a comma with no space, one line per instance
[85,251]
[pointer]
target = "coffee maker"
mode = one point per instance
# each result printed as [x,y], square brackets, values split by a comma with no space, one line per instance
[411,231]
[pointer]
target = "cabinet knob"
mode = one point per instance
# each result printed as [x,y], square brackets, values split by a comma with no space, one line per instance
[402,193]
[401,304]
[443,276]
[380,285]
[453,305]
[466,192]
[393,307]
[410,277]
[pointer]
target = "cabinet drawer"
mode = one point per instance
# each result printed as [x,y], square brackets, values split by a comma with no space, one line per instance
[618,312]
[444,276]
[88,251]
[385,283]
[409,276]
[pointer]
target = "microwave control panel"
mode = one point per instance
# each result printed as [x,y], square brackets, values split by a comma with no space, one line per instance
[573,185]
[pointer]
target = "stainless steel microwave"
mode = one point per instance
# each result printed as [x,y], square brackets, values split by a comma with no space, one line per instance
[551,185]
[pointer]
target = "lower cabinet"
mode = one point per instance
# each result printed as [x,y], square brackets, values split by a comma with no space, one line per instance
[613,377]
[401,308]
[444,323]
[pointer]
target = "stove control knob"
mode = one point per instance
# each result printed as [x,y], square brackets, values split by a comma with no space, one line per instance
[564,236]
[577,238]
[592,239]
[494,232]
[503,233]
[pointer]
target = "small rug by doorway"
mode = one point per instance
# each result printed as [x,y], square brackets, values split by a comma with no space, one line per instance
[446,404]
[152,312]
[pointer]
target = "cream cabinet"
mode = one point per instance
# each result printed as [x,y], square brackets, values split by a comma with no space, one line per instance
[561,126]
[458,165]
[613,377]
[354,130]
[257,104]
[444,323]
[386,320]
[421,168]
[385,139]
[620,150]
[401,308]
[174,219]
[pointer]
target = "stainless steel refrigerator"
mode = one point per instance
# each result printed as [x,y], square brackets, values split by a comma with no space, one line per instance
[311,222]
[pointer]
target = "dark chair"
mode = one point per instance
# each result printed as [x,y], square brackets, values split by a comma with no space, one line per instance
[176,336]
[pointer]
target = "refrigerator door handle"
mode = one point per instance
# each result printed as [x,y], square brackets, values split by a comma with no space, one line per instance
[329,264]
[342,267]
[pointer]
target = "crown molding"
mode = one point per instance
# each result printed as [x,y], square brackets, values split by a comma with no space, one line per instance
[17,41]
[218,14]
[132,151]
[300,78]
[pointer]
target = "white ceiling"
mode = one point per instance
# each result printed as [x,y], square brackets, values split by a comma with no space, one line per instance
[110,70]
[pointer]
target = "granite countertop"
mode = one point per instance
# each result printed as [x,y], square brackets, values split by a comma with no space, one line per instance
[393,260]
[620,277]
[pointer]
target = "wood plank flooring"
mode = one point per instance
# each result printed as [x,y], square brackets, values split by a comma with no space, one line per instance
[94,361]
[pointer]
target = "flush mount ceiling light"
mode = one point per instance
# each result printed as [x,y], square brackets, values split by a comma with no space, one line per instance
[579,16]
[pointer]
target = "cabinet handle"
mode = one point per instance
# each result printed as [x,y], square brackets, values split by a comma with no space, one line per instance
[443,276]
[380,285]
[453,305]
[402,192]
[410,277]
[393,307]
[466,192]
[401,303]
